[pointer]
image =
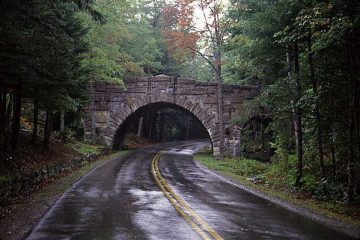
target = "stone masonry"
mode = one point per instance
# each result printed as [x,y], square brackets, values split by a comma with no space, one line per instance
[112,105]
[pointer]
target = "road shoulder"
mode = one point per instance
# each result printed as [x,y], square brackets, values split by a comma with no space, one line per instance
[345,227]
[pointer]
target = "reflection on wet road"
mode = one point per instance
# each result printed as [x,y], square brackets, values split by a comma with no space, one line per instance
[120,200]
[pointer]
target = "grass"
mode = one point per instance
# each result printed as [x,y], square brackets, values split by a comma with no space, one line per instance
[274,180]
[84,148]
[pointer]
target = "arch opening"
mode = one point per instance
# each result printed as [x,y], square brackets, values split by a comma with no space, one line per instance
[160,122]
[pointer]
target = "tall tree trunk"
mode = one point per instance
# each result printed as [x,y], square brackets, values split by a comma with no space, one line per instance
[9,111]
[140,127]
[93,127]
[262,131]
[93,114]
[288,61]
[62,121]
[162,127]
[36,119]
[353,137]
[220,99]
[154,126]
[317,108]
[333,155]
[298,119]
[351,156]
[146,121]
[48,128]
[187,120]
[151,125]
[2,114]
[237,146]
[16,117]
[356,79]
[164,137]
[157,126]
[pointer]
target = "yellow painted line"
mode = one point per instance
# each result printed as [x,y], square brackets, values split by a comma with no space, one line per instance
[182,207]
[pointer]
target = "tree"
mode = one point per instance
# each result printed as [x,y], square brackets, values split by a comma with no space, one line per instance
[212,11]
[272,44]
[44,41]
[184,37]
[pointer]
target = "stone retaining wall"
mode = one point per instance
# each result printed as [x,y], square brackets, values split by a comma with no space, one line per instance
[19,184]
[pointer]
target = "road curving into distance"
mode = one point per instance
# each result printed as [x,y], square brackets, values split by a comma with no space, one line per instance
[159,192]
[184,210]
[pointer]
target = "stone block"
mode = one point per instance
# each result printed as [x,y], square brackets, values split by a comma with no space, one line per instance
[216,151]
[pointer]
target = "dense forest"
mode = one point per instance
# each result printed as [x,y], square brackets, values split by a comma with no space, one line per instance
[304,56]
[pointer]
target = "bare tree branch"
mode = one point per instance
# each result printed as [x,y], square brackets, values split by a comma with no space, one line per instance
[206,59]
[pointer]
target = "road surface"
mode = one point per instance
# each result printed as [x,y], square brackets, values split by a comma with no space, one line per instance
[125,199]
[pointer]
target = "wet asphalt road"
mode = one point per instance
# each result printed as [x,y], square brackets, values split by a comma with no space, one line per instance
[119,200]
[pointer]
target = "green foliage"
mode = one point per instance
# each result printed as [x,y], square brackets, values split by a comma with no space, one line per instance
[260,51]
[126,45]
[251,109]
[99,68]
[85,149]
[42,43]
[195,68]
[240,166]
[277,180]
[281,173]
[66,136]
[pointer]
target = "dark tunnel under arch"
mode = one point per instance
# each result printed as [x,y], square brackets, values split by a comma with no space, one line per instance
[122,130]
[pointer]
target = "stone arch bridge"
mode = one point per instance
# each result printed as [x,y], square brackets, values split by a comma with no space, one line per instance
[111,105]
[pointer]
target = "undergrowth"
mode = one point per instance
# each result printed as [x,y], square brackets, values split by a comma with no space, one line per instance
[84,148]
[277,179]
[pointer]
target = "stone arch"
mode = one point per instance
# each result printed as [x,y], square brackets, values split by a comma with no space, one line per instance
[131,104]
[112,104]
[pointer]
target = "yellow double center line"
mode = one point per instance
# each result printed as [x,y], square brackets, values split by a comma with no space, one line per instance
[182,207]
